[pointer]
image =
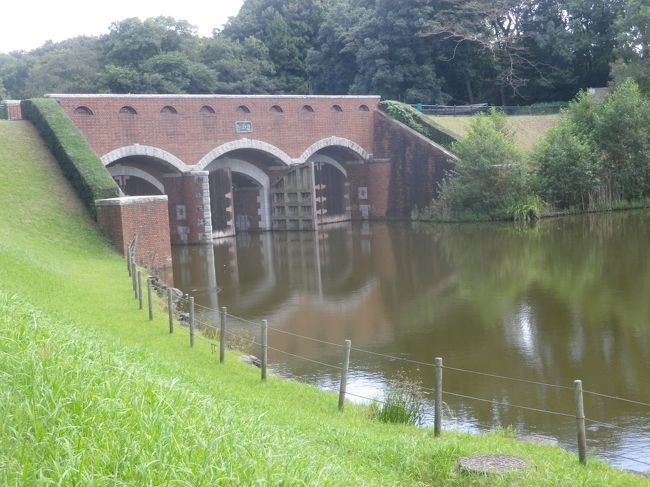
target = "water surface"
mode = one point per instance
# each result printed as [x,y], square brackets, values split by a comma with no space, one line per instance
[567,299]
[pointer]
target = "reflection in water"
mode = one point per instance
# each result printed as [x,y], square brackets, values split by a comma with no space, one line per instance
[566,299]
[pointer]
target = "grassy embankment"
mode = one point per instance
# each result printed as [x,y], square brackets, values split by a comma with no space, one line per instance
[94,393]
[528,129]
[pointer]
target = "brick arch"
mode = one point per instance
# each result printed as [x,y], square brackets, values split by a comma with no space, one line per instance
[120,170]
[256,174]
[334,141]
[243,144]
[144,150]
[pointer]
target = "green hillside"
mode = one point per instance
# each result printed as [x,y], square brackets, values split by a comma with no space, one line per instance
[528,129]
[95,394]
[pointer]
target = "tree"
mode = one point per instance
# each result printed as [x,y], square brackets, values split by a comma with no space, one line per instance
[240,67]
[633,45]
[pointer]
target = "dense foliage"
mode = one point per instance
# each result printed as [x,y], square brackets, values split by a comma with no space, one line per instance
[79,162]
[502,52]
[597,157]
[412,118]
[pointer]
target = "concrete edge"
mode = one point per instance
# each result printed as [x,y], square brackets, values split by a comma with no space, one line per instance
[131,200]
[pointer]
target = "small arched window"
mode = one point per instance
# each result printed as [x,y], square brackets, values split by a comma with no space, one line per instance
[83,111]
[336,108]
[307,109]
[127,110]
[243,109]
[206,110]
[364,108]
[277,109]
[168,110]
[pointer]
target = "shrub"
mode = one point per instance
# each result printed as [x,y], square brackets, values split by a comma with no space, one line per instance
[489,176]
[78,161]
[403,403]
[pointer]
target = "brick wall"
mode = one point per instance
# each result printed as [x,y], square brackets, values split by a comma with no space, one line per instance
[193,131]
[417,165]
[189,207]
[369,185]
[11,110]
[145,216]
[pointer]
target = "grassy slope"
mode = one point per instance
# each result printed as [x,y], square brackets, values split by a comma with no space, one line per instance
[528,128]
[95,393]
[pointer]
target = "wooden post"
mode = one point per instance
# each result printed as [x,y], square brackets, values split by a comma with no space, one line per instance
[149,301]
[437,412]
[265,344]
[139,290]
[134,278]
[171,311]
[344,373]
[580,417]
[222,334]
[128,259]
[192,321]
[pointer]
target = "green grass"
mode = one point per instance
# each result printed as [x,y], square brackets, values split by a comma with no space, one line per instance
[528,128]
[95,394]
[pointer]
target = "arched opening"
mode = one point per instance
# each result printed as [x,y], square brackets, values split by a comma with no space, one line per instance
[127,110]
[307,109]
[331,190]
[243,109]
[206,110]
[83,111]
[134,181]
[168,110]
[240,191]
[336,108]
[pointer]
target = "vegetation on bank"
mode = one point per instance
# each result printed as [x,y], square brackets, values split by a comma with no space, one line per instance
[596,158]
[78,161]
[93,392]
[413,119]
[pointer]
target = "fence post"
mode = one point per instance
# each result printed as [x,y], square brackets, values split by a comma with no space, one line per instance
[139,290]
[344,373]
[170,310]
[192,321]
[580,417]
[222,334]
[128,259]
[265,346]
[149,298]
[134,278]
[437,414]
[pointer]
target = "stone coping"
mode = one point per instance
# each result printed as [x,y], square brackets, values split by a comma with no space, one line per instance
[131,200]
[10,103]
[207,97]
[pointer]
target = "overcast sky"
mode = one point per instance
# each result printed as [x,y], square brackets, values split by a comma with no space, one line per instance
[26,25]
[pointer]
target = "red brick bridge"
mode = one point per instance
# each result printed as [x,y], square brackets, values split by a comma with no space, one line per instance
[231,163]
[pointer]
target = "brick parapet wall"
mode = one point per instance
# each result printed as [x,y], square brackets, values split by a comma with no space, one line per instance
[190,134]
[145,216]
[11,110]
[417,165]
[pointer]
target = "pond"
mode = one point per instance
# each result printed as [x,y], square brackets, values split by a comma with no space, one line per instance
[566,299]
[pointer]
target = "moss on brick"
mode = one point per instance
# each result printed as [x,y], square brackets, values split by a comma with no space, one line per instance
[78,161]
[410,117]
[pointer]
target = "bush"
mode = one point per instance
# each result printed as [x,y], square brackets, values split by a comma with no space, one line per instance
[488,178]
[78,161]
[403,403]
[598,156]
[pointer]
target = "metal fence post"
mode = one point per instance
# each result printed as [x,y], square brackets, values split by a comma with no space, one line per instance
[222,334]
[344,373]
[580,418]
[134,278]
[437,417]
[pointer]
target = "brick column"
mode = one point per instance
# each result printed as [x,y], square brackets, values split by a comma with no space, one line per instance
[190,219]
[145,216]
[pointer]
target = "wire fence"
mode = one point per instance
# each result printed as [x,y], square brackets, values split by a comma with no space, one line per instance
[539,109]
[253,333]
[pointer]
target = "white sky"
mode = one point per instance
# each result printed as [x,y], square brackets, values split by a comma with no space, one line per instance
[27,24]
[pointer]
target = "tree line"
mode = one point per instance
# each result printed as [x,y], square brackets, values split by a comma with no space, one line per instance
[429,51]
